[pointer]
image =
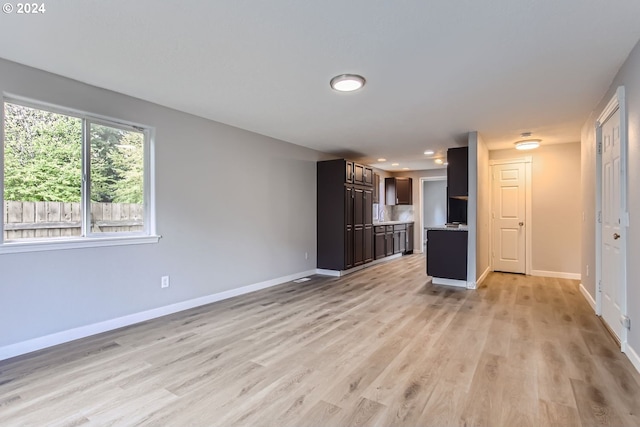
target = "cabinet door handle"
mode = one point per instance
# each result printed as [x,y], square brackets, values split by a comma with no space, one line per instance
[397,201]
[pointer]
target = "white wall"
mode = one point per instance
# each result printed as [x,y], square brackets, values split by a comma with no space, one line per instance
[234,208]
[629,77]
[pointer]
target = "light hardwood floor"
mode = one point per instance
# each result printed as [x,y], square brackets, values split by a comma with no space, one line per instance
[380,347]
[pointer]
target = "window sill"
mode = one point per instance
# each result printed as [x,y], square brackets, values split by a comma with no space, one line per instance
[74,243]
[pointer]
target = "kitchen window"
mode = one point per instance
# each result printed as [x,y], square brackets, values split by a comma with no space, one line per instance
[71,179]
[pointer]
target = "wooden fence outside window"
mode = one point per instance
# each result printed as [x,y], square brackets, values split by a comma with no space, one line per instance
[24,220]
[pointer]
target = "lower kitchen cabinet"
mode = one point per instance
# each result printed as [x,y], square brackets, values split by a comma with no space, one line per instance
[392,239]
[447,254]
[409,245]
[368,244]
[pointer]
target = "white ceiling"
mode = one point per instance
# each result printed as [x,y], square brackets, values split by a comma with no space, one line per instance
[435,69]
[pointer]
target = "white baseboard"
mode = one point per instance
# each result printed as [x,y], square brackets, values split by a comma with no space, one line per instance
[449,282]
[483,276]
[62,337]
[588,297]
[632,355]
[556,274]
[340,273]
[324,272]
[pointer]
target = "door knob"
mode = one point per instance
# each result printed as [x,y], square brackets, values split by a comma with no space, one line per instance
[616,236]
[521,224]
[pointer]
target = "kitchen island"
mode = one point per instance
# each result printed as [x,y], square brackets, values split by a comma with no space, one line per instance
[447,255]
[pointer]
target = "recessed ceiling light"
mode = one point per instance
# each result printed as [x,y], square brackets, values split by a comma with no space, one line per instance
[405,169]
[429,152]
[382,160]
[395,164]
[347,82]
[438,161]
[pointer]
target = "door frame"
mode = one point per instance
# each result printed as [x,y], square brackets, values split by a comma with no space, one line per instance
[527,160]
[617,102]
[421,205]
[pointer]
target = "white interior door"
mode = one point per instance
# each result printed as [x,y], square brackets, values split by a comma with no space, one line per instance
[612,284]
[508,217]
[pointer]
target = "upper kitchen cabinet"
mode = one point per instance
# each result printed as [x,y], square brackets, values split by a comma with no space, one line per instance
[362,175]
[398,191]
[458,172]
[376,188]
[357,174]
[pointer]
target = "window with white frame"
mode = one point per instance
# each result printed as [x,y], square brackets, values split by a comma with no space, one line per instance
[72,177]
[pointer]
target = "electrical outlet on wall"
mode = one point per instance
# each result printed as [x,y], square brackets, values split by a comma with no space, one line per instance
[164,282]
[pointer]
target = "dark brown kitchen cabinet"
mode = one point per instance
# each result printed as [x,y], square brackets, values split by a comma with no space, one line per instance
[398,191]
[399,238]
[362,175]
[458,172]
[380,242]
[349,172]
[368,243]
[368,207]
[376,188]
[344,214]
[389,240]
[457,184]
[356,173]
[409,244]
[348,252]
[447,254]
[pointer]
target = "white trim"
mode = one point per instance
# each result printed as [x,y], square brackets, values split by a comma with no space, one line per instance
[483,275]
[632,355]
[617,102]
[89,239]
[62,337]
[472,208]
[53,244]
[588,297]
[556,274]
[528,229]
[526,159]
[324,272]
[422,180]
[449,282]
[340,273]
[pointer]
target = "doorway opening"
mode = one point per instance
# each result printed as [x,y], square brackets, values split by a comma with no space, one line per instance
[433,204]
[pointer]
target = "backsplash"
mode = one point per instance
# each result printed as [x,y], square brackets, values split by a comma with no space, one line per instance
[393,213]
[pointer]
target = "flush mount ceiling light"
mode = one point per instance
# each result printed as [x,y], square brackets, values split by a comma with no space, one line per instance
[395,164]
[429,152]
[347,82]
[527,143]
